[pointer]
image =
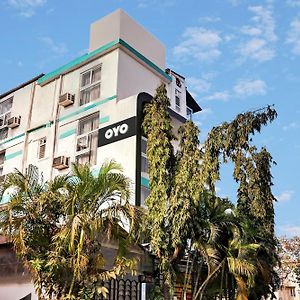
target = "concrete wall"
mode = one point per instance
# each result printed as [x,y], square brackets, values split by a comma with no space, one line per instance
[16,291]
[133,77]
[119,25]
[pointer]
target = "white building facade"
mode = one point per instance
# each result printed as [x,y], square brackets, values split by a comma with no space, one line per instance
[89,111]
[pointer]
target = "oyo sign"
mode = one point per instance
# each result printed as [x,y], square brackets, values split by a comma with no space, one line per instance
[117,131]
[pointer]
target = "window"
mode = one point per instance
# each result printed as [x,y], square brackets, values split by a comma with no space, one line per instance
[87,140]
[177,99]
[3,133]
[2,159]
[144,159]
[144,169]
[5,108]
[293,292]
[178,82]
[6,105]
[42,148]
[144,194]
[90,85]
[189,113]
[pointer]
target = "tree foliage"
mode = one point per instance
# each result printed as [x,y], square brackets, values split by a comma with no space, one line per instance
[59,228]
[158,129]
[230,250]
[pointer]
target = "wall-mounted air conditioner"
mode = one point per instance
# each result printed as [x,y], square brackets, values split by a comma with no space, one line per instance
[61,162]
[13,122]
[83,144]
[66,99]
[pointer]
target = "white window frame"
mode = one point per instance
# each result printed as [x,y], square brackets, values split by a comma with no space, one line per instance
[2,164]
[90,84]
[189,112]
[6,115]
[88,134]
[42,142]
[143,154]
[177,95]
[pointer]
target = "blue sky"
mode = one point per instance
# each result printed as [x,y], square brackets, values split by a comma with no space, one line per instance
[237,55]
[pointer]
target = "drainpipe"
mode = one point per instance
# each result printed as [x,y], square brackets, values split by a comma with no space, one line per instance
[55,107]
[25,149]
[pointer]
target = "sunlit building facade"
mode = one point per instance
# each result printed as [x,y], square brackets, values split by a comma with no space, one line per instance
[88,111]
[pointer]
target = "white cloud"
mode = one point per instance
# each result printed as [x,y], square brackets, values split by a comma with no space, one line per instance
[293,37]
[260,35]
[56,48]
[252,31]
[235,2]
[256,49]
[289,230]
[247,88]
[293,2]
[199,43]
[205,112]
[263,19]
[26,8]
[155,3]
[292,125]
[198,85]
[284,196]
[223,96]
[210,19]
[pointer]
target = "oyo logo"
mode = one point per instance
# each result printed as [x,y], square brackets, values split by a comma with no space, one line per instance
[115,131]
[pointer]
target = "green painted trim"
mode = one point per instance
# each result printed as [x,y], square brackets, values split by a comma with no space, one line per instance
[145,182]
[77,61]
[48,124]
[103,119]
[92,105]
[67,133]
[13,155]
[145,60]
[70,132]
[12,138]
[104,48]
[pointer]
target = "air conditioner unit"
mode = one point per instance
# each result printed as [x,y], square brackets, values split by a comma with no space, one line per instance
[13,122]
[66,99]
[61,162]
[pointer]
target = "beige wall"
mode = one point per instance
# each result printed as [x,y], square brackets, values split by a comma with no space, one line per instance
[119,25]
[16,291]
[134,77]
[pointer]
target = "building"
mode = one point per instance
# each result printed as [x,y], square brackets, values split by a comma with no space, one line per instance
[88,111]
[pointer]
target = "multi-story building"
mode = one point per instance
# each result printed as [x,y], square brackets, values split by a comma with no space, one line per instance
[88,111]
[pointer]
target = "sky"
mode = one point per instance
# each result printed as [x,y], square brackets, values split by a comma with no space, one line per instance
[236,55]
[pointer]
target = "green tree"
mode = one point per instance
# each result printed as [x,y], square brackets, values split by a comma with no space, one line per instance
[179,186]
[157,127]
[252,171]
[59,228]
[225,260]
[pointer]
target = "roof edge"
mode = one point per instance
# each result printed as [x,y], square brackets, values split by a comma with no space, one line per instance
[21,85]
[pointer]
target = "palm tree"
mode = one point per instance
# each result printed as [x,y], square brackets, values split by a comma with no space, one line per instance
[226,262]
[60,228]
